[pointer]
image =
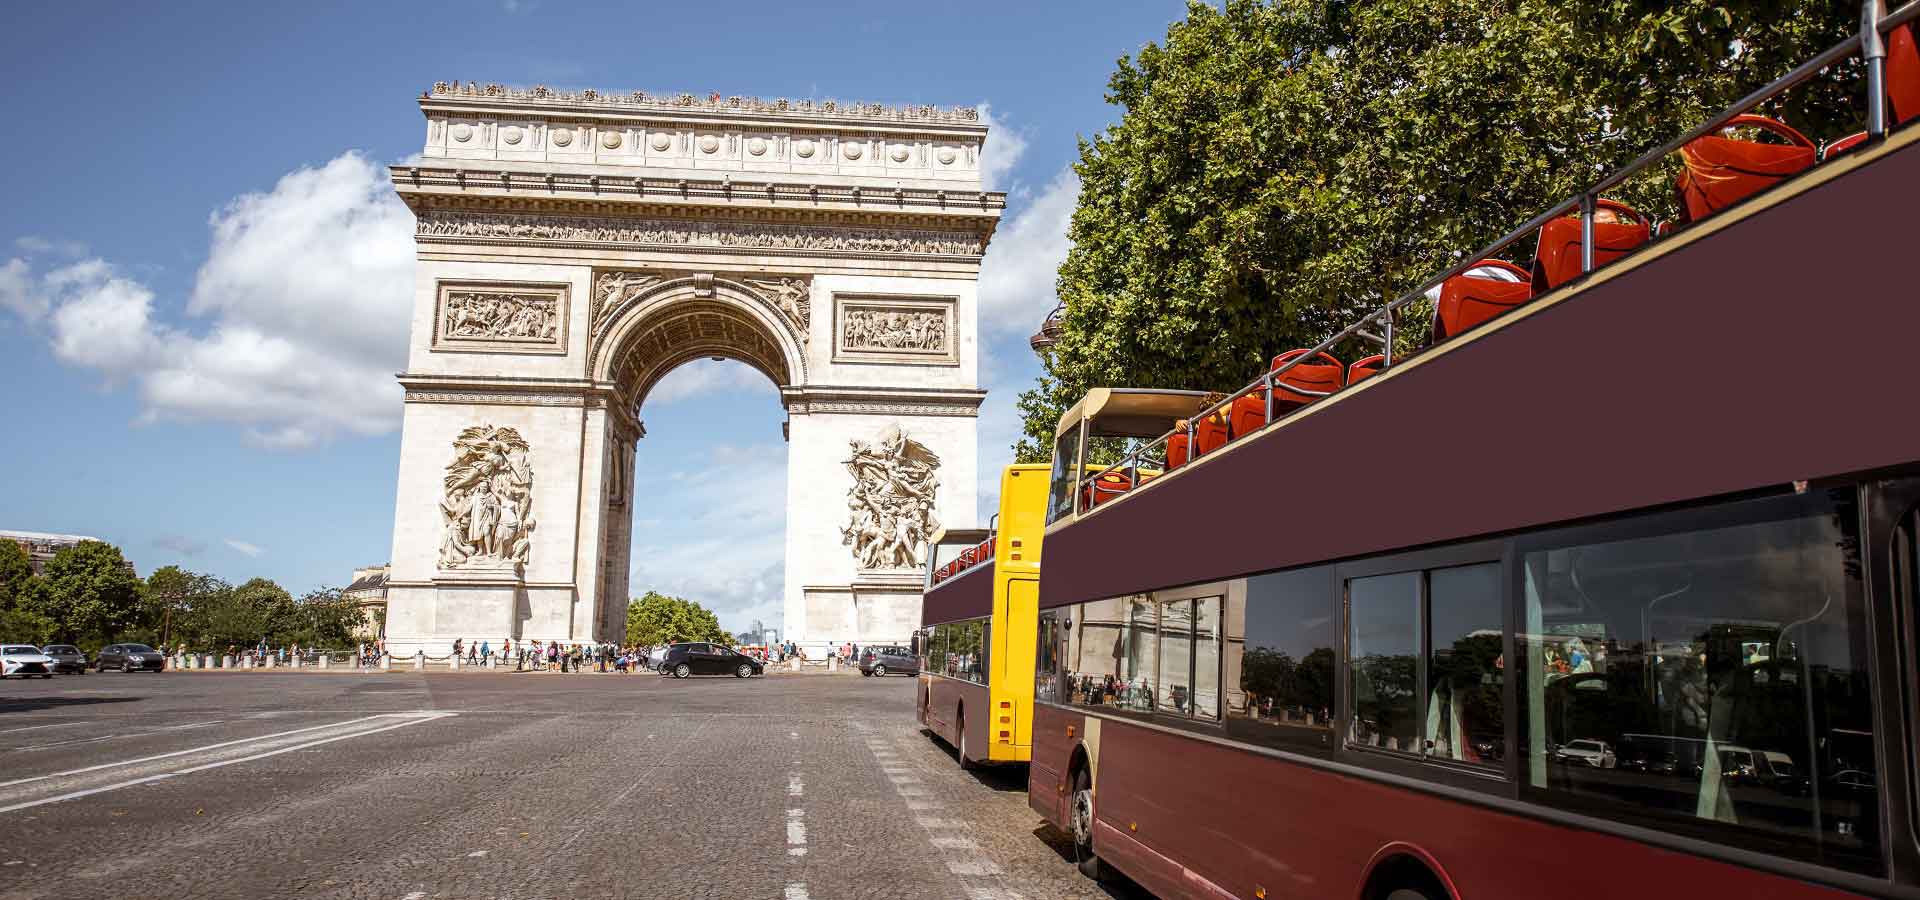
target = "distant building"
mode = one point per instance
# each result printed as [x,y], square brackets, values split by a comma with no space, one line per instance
[41,548]
[369,592]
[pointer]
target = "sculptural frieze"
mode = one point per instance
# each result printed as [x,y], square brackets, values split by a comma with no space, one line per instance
[890,506]
[501,316]
[895,329]
[672,233]
[793,297]
[614,288]
[487,510]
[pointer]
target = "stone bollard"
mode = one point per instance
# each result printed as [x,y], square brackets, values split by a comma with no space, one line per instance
[273,662]
[453,663]
[794,664]
[325,658]
[420,660]
[386,662]
[226,662]
[493,663]
[833,663]
[294,660]
[246,662]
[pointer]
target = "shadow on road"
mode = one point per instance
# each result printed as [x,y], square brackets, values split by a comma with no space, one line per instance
[1116,885]
[1003,778]
[34,704]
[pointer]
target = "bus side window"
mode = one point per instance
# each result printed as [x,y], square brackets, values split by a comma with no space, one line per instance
[1279,650]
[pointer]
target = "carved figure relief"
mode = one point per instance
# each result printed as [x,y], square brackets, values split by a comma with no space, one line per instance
[502,317]
[487,511]
[441,223]
[895,329]
[615,288]
[890,507]
[792,296]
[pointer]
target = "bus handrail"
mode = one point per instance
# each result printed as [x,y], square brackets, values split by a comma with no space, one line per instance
[1867,41]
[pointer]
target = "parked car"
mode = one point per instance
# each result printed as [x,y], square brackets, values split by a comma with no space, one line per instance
[1593,753]
[683,660]
[25,661]
[66,658]
[883,661]
[656,658]
[130,658]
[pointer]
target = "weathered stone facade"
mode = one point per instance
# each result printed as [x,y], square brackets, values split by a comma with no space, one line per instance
[574,248]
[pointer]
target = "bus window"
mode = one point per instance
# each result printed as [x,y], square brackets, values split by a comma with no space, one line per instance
[1143,651]
[1383,614]
[1046,656]
[1066,474]
[1206,657]
[1176,656]
[1280,652]
[1464,693]
[1096,658]
[1705,672]
[936,648]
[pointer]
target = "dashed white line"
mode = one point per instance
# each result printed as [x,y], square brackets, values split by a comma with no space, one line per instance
[797,892]
[38,727]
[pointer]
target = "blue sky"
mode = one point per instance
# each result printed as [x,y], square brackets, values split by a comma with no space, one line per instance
[203,276]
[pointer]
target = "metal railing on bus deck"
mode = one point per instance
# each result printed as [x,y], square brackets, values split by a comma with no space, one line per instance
[1868,42]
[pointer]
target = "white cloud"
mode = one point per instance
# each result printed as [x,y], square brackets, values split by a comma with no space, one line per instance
[706,376]
[725,543]
[1002,150]
[308,289]
[1017,276]
[244,547]
[31,244]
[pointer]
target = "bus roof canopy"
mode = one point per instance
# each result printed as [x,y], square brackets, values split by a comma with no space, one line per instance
[1132,412]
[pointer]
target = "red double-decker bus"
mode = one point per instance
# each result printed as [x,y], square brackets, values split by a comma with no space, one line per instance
[1611,592]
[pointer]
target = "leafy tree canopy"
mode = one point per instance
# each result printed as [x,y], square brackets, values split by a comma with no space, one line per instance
[15,569]
[658,618]
[1283,166]
[89,594]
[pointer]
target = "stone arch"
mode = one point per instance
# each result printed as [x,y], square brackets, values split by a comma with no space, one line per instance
[656,330]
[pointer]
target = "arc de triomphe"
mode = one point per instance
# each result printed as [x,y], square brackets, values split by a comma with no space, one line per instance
[575,247]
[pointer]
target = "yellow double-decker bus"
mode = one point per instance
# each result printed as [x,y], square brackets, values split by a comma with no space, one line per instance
[976,640]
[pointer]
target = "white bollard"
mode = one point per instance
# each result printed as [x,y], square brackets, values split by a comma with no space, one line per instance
[833,663]
[420,661]
[386,662]
[453,663]
[226,662]
[325,658]
[794,664]
[273,662]
[493,662]
[294,660]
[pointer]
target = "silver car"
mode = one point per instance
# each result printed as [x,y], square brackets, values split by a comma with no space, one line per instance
[25,661]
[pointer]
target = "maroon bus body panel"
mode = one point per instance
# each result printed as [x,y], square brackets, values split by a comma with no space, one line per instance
[1626,396]
[968,595]
[947,699]
[1189,819]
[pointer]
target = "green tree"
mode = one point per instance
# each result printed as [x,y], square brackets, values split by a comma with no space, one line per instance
[658,618]
[15,570]
[1281,167]
[89,594]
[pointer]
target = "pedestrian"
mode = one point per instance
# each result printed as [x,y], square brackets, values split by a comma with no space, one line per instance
[456,649]
[486,651]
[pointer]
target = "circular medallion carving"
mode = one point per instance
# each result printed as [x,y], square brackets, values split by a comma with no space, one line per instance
[709,144]
[900,154]
[852,151]
[947,156]
[562,137]
[803,149]
[462,132]
[757,147]
[610,140]
[662,142]
[510,134]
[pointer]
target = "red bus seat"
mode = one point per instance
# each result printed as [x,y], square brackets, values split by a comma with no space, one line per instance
[1322,376]
[1903,88]
[1483,292]
[1843,145]
[1721,171]
[1177,446]
[1618,229]
[1364,368]
[1105,487]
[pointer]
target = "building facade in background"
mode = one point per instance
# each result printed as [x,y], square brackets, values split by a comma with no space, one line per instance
[575,247]
[41,548]
[368,591]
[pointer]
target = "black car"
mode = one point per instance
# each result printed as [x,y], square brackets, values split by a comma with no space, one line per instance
[130,658]
[683,660]
[66,658]
[885,661]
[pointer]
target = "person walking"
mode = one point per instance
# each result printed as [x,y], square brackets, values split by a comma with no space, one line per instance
[486,651]
[456,649]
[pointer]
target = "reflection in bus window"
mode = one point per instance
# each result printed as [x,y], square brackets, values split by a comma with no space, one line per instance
[1463,720]
[1143,645]
[1711,680]
[1046,657]
[937,649]
[1280,654]
[1383,614]
[1097,653]
[1206,657]
[1066,452]
[1176,656]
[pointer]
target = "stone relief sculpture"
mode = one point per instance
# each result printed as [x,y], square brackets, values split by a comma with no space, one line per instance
[895,329]
[496,316]
[793,297]
[615,288]
[433,224]
[488,508]
[890,507]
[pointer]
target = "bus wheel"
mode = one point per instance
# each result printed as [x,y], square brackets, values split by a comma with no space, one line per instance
[1409,894]
[1082,823]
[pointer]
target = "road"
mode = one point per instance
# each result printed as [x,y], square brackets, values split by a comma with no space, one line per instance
[402,786]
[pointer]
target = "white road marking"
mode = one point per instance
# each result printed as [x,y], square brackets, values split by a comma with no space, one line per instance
[213,765]
[477,854]
[933,823]
[795,787]
[954,843]
[109,737]
[157,756]
[797,891]
[37,727]
[972,867]
[416,895]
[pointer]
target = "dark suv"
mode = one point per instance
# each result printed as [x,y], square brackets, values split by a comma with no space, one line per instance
[130,658]
[885,660]
[683,660]
[66,658]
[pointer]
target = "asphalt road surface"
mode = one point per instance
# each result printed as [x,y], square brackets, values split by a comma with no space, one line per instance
[400,786]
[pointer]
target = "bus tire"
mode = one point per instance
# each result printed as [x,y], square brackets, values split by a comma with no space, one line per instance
[1080,821]
[960,745]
